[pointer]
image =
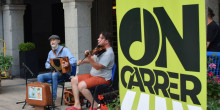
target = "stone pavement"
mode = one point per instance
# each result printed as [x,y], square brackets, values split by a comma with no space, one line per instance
[14,90]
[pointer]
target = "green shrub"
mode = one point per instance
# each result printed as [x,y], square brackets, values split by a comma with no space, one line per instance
[26,46]
[115,105]
[63,44]
[213,85]
[5,62]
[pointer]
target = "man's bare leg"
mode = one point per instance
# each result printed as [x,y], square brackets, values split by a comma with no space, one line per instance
[74,82]
[86,93]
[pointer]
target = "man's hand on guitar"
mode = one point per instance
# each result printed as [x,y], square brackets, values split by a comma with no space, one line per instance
[65,64]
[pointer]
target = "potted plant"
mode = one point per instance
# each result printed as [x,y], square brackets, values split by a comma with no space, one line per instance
[26,46]
[110,101]
[5,65]
[28,56]
[213,83]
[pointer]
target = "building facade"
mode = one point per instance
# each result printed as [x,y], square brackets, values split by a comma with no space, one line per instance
[77,22]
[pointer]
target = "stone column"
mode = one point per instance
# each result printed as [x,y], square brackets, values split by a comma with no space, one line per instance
[78,29]
[13,32]
[1,29]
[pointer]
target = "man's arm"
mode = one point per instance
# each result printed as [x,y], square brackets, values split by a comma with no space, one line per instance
[47,65]
[85,60]
[103,61]
[72,59]
[208,43]
[95,65]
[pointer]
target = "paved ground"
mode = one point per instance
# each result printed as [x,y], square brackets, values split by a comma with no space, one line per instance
[14,90]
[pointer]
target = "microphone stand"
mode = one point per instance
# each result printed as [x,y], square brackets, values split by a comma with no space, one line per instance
[52,68]
[26,68]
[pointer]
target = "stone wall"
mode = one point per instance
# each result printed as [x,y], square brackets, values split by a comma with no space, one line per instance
[0,85]
[1,30]
[214,5]
[13,32]
[14,2]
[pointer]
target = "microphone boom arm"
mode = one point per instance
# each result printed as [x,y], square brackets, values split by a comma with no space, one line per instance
[28,69]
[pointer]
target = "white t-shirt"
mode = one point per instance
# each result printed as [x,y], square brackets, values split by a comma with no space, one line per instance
[107,60]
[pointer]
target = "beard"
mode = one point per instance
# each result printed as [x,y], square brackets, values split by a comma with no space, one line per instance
[54,46]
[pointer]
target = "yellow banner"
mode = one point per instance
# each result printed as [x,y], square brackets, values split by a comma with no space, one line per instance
[162,54]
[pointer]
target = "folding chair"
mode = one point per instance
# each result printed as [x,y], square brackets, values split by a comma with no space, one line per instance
[64,79]
[109,86]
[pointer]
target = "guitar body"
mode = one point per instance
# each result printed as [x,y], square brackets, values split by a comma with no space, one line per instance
[57,63]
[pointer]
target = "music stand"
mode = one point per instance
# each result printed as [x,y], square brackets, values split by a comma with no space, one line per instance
[52,68]
[26,68]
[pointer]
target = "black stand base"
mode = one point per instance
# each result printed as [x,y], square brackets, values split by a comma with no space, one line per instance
[26,68]
[52,107]
[22,102]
